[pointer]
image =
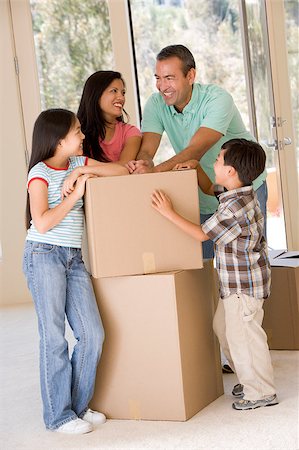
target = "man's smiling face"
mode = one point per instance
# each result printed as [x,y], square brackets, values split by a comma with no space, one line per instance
[173,85]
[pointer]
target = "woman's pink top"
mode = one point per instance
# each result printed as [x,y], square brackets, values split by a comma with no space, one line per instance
[113,148]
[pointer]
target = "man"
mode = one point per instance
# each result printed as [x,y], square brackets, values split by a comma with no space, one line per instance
[197,118]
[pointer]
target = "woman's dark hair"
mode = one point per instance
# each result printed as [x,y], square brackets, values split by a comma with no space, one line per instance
[247,157]
[50,128]
[90,114]
[181,52]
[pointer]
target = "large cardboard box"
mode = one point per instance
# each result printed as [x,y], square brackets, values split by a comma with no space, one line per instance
[281,321]
[126,236]
[160,358]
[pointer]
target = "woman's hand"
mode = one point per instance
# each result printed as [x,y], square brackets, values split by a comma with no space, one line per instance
[162,203]
[191,164]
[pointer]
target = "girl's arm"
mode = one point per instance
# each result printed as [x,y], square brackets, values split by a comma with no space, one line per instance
[102,169]
[45,218]
[162,203]
[203,180]
[95,168]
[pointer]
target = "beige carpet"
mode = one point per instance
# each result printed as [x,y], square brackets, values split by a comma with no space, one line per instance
[217,426]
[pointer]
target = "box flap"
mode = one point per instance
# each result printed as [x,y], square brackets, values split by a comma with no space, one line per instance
[283,258]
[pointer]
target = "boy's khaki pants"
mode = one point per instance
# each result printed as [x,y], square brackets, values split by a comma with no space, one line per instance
[238,326]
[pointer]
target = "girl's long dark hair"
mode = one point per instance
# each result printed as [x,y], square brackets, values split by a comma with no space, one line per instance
[50,128]
[90,114]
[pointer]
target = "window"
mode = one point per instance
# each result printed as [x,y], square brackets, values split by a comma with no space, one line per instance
[72,40]
[211,30]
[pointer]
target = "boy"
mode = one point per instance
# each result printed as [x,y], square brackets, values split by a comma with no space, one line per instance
[236,229]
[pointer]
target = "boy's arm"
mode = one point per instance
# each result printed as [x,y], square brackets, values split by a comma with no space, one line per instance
[162,203]
[203,180]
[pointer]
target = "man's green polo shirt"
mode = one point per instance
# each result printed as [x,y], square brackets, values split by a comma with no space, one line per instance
[210,106]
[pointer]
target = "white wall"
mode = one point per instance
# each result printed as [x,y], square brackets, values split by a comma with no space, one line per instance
[13,287]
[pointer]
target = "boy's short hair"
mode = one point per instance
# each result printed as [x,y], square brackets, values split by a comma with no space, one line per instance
[247,157]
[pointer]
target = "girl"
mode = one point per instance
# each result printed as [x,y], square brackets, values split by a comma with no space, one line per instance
[107,137]
[55,272]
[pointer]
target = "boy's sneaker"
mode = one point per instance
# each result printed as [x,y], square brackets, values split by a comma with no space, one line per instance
[227,369]
[238,390]
[76,426]
[252,404]
[94,417]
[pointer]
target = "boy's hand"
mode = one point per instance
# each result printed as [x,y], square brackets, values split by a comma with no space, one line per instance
[191,164]
[162,203]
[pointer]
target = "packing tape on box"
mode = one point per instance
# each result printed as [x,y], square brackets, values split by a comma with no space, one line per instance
[134,409]
[149,265]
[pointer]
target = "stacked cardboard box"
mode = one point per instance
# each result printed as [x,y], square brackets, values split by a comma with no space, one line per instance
[281,321]
[128,237]
[156,297]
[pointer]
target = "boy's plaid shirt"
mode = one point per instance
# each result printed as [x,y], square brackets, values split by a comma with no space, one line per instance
[236,229]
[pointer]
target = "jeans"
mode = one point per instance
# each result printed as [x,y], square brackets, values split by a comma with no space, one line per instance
[61,286]
[262,195]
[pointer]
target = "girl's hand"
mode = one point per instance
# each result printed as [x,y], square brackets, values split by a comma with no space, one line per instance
[162,203]
[79,188]
[191,164]
[69,182]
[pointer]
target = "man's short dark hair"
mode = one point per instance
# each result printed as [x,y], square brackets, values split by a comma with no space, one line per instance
[247,157]
[181,52]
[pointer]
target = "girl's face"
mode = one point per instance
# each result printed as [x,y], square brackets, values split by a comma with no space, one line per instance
[73,142]
[113,100]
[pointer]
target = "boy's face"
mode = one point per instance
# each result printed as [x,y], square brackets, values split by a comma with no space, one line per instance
[221,171]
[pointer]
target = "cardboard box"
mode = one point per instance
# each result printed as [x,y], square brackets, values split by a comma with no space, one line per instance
[126,236]
[281,321]
[160,358]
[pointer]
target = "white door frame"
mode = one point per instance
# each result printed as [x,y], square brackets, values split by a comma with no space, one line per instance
[283,117]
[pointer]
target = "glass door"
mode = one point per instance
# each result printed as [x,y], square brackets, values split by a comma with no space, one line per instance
[269,115]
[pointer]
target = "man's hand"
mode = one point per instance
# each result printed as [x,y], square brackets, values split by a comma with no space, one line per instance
[140,166]
[191,164]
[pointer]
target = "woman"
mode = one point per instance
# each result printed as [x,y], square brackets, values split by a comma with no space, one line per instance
[101,114]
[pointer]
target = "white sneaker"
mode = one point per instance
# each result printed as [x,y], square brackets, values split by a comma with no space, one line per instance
[76,426]
[94,417]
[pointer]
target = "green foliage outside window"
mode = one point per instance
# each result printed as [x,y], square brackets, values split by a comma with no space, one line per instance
[72,40]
